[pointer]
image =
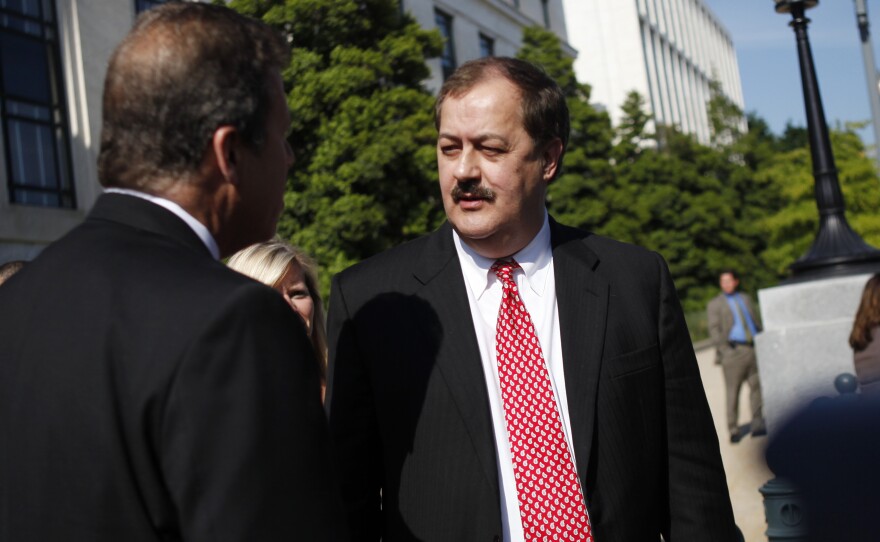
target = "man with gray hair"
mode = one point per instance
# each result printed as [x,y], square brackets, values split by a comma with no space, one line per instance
[147,392]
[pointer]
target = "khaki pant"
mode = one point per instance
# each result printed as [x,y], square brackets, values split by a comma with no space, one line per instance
[740,366]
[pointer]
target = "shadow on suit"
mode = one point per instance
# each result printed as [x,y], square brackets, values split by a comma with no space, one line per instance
[405,387]
[410,416]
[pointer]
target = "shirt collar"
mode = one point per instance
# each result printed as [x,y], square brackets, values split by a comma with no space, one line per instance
[534,260]
[197,227]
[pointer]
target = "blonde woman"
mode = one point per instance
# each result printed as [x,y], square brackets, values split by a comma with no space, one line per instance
[292,273]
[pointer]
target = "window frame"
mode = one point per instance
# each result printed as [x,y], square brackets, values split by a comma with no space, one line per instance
[448,61]
[487,45]
[57,120]
[141,6]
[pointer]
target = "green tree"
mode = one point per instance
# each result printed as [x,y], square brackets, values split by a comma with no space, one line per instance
[791,229]
[793,137]
[693,203]
[362,131]
[725,117]
[755,197]
[677,200]
[574,196]
[632,136]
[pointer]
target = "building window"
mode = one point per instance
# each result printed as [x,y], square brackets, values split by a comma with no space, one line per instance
[516,4]
[144,5]
[487,45]
[545,8]
[32,115]
[447,59]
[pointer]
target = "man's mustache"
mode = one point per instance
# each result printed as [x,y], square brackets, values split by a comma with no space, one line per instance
[471,191]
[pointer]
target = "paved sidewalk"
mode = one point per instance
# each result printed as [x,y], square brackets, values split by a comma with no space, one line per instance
[744,461]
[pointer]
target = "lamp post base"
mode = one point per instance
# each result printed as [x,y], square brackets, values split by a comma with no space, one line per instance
[837,251]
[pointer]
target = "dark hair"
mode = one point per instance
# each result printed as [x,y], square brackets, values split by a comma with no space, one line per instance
[184,70]
[729,271]
[544,110]
[868,315]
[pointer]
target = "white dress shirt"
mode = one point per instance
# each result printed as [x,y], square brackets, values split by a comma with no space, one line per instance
[537,287]
[197,227]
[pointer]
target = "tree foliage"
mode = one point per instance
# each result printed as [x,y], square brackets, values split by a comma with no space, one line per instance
[362,131]
[574,196]
[366,179]
[725,117]
[744,201]
[790,228]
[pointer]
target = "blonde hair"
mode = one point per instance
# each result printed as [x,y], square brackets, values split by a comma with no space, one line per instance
[267,262]
[10,268]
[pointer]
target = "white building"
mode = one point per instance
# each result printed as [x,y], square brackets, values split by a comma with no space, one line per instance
[666,50]
[478,28]
[53,56]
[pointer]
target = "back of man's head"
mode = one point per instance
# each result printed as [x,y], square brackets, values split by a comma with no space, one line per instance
[184,70]
[729,271]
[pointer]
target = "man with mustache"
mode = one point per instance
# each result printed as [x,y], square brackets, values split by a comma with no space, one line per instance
[508,377]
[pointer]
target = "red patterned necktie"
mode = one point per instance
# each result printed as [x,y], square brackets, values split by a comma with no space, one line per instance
[551,502]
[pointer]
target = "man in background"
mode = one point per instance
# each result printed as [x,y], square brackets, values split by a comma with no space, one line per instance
[733,324]
[147,392]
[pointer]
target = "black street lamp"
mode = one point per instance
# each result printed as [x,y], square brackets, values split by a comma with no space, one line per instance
[837,249]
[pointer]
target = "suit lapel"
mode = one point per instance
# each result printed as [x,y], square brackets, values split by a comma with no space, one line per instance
[582,296]
[751,308]
[459,359]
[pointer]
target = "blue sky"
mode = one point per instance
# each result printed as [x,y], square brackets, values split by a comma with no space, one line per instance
[768,64]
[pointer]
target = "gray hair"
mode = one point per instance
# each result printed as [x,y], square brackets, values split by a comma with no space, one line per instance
[184,70]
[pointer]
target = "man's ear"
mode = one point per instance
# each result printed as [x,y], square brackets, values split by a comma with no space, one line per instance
[550,159]
[224,148]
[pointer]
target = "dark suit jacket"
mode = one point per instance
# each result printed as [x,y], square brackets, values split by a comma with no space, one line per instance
[149,393]
[410,416]
[720,321]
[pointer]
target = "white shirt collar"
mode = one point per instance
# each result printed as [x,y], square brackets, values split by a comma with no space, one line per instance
[534,259]
[197,227]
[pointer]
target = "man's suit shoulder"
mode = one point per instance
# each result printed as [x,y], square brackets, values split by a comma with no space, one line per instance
[434,251]
[716,302]
[616,260]
[395,266]
[612,249]
[156,273]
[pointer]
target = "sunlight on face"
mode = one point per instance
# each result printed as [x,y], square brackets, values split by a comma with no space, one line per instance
[293,287]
